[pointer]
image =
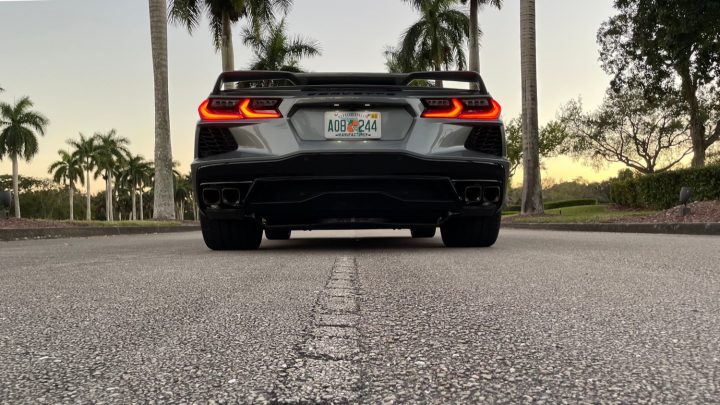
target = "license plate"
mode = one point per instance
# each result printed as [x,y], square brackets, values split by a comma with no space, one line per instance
[352,125]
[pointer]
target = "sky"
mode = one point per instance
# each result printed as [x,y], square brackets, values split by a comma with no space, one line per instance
[86,64]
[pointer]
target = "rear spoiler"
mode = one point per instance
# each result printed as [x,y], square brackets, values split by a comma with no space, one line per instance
[346,79]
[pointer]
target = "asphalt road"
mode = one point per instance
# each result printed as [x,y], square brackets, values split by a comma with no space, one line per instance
[362,317]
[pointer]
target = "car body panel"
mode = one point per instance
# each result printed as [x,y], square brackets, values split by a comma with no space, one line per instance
[309,182]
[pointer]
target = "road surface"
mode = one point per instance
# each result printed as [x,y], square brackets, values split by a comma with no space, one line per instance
[369,317]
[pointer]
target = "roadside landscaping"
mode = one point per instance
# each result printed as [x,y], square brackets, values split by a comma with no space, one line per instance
[17,229]
[23,223]
[700,212]
[580,214]
[703,219]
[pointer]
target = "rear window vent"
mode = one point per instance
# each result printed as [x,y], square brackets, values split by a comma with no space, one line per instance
[214,141]
[486,139]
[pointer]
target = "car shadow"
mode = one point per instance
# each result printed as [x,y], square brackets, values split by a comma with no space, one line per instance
[352,243]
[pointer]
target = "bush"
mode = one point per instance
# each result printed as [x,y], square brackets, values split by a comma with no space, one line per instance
[662,190]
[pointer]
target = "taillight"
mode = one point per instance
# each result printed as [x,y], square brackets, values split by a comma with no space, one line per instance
[224,109]
[484,108]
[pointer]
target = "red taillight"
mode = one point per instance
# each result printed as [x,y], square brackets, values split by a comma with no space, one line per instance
[222,109]
[442,108]
[490,110]
[211,110]
[260,108]
[468,108]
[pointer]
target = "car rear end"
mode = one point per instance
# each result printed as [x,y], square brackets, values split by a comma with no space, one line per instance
[278,151]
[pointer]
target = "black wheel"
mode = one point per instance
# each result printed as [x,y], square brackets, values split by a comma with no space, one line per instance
[471,232]
[423,232]
[277,234]
[230,234]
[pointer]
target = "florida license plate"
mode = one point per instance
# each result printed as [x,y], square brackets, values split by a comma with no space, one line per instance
[352,125]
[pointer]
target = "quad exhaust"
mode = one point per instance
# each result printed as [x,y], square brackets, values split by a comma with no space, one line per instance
[473,194]
[476,194]
[231,196]
[491,194]
[211,196]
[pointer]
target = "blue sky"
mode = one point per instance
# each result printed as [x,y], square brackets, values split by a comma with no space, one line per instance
[87,64]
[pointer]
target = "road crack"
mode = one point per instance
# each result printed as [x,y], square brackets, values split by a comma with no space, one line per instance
[326,366]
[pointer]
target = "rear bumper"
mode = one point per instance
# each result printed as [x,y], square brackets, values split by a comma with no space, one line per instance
[350,190]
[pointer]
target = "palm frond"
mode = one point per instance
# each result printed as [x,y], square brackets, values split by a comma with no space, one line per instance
[185,12]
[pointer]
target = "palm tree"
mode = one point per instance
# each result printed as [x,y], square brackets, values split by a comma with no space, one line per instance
[163,196]
[145,178]
[135,170]
[183,190]
[222,14]
[85,149]
[18,138]
[274,50]
[67,171]
[111,150]
[437,39]
[532,187]
[475,31]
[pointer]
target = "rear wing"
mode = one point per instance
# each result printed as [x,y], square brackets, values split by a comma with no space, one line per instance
[268,80]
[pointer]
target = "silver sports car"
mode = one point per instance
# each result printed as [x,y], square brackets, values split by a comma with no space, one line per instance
[282,151]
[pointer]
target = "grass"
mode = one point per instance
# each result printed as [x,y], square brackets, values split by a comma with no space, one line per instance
[580,214]
[124,223]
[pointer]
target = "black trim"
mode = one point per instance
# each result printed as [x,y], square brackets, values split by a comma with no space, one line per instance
[352,189]
[338,163]
[347,79]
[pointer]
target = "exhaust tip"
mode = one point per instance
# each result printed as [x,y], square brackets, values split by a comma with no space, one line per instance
[211,196]
[231,196]
[473,194]
[491,194]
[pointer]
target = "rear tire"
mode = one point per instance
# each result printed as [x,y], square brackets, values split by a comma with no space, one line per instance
[277,234]
[230,234]
[423,232]
[471,231]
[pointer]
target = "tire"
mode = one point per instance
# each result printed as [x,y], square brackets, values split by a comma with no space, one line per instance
[423,232]
[471,232]
[230,234]
[277,234]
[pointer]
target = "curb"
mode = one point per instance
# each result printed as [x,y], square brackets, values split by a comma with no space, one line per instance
[82,232]
[712,228]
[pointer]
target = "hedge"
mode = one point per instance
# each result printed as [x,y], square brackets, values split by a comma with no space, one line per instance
[559,204]
[662,190]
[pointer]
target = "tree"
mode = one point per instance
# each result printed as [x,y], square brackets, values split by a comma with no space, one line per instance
[134,171]
[85,149]
[222,14]
[274,50]
[662,46]
[436,40]
[146,174]
[532,202]
[183,191]
[163,195]
[551,141]
[18,138]
[395,64]
[647,136]
[110,151]
[475,32]
[68,171]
